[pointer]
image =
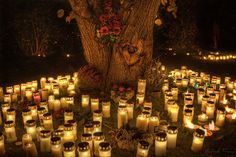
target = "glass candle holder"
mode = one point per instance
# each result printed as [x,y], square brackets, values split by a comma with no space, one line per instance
[130,110]
[167,98]
[51,99]
[88,128]
[26,138]
[26,115]
[97,116]
[94,104]
[202,119]
[220,117]
[96,126]
[83,149]
[31,128]
[38,129]
[56,147]
[47,121]
[88,138]
[59,133]
[69,149]
[188,117]
[44,104]
[16,89]
[98,137]
[104,149]
[31,149]
[55,90]
[29,94]
[5,107]
[160,144]
[205,99]
[2,144]
[85,101]
[142,122]
[56,105]
[106,109]
[11,114]
[198,140]
[153,123]
[210,109]
[140,98]
[122,116]
[143,148]
[172,132]
[45,140]
[68,133]
[68,115]
[10,131]
[174,112]
[74,126]
[141,86]
[200,93]
[44,94]
[14,97]
[33,108]
[41,111]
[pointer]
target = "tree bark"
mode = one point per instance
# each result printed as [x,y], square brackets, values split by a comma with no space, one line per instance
[122,62]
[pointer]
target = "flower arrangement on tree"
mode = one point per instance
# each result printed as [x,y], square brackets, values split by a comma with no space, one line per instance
[109,26]
[121,91]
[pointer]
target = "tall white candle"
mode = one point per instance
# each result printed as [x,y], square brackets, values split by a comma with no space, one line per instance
[143,148]
[200,93]
[94,104]
[74,126]
[142,122]
[172,132]
[220,117]
[11,114]
[69,149]
[51,99]
[41,111]
[68,133]
[122,116]
[85,100]
[97,115]
[153,123]
[88,138]
[44,94]
[141,86]
[205,98]
[188,117]
[140,98]
[210,109]
[130,110]
[174,112]
[56,105]
[33,108]
[47,121]
[56,147]
[10,131]
[5,107]
[160,144]
[106,109]
[83,149]
[68,115]
[31,128]
[198,140]
[45,143]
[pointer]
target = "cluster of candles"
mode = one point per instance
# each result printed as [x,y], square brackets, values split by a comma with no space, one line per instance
[214,98]
[218,57]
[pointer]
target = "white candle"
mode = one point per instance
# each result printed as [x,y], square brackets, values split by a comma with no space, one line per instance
[45,144]
[59,133]
[96,126]
[2,145]
[200,93]
[210,109]
[44,104]
[98,137]
[106,109]
[104,149]
[31,128]
[33,108]
[56,147]
[185,82]
[56,91]
[97,116]
[220,117]
[44,93]
[51,99]
[47,121]
[142,122]
[83,149]
[167,97]
[17,89]
[29,94]
[88,128]
[85,100]
[31,150]
[5,107]
[68,115]
[160,144]
[10,131]
[38,129]
[88,138]
[14,97]
[205,99]
[140,98]
[56,105]
[69,149]
[7,98]
[153,123]
[188,117]
[143,148]
[42,82]
[11,114]
[41,112]
[130,110]
[198,140]
[174,112]
[172,132]
[68,133]
[141,86]
[26,138]
[122,116]
[74,126]
[94,104]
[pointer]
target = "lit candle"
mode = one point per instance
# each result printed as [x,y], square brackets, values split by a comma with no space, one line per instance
[96,126]
[141,86]
[28,94]
[88,128]
[205,99]
[68,115]
[56,91]
[202,119]
[130,110]
[26,138]
[38,129]
[9,89]
[153,123]
[59,133]
[210,109]
[94,104]
[11,115]
[45,140]
[106,109]
[167,97]
[104,149]
[88,138]
[200,93]
[14,97]
[44,104]
[31,128]
[74,126]
[142,122]
[160,144]
[174,112]
[51,99]
[47,121]
[85,100]
[143,148]
[42,82]
[83,149]
[220,117]
[122,116]
[185,82]
[188,117]
[68,133]
[172,132]
[69,149]
[198,140]
[56,105]
[7,98]
[140,98]
[98,137]
[41,112]
[31,150]
[16,89]
[174,92]
[56,148]
[10,131]
[5,107]
[165,87]
[97,116]
[2,145]
[33,108]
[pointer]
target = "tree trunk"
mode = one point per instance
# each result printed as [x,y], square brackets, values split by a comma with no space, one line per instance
[120,62]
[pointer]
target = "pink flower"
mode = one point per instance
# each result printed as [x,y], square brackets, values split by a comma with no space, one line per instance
[103,18]
[104,30]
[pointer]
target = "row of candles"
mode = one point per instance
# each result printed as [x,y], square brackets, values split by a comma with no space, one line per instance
[213,57]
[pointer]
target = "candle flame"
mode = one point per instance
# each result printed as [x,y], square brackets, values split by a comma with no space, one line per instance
[212,125]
